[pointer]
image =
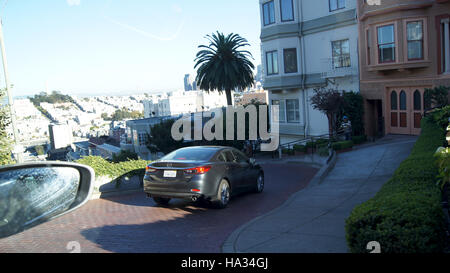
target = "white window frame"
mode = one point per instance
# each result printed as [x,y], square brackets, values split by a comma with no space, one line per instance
[271,71]
[292,11]
[284,105]
[341,55]
[445,47]
[269,13]
[337,5]
[396,43]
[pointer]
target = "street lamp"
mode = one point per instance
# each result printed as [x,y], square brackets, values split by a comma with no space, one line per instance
[17,149]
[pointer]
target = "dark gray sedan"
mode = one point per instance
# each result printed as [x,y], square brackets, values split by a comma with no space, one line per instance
[212,173]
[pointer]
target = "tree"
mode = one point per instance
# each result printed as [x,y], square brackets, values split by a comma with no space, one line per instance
[329,102]
[436,97]
[124,155]
[40,150]
[353,107]
[223,66]
[124,114]
[160,139]
[5,142]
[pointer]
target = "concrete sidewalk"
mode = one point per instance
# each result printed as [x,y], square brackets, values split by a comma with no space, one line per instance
[313,220]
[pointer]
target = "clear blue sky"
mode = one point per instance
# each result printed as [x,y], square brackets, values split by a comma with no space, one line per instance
[91,47]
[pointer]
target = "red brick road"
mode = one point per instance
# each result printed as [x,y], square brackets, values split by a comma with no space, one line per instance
[133,223]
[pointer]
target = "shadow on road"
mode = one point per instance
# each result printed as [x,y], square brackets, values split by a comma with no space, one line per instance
[185,226]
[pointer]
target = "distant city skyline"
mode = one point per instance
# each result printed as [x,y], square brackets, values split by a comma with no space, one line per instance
[104,47]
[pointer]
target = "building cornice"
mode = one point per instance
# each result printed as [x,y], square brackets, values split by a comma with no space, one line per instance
[396,7]
[324,23]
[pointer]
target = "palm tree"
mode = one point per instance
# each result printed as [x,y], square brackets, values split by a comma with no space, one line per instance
[223,66]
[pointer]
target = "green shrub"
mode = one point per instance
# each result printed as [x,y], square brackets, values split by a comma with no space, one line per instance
[342,145]
[310,144]
[288,151]
[322,142]
[124,155]
[442,115]
[103,167]
[323,151]
[436,97]
[406,215]
[300,148]
[40,150]
[442,156]
[359,139]
[353,107]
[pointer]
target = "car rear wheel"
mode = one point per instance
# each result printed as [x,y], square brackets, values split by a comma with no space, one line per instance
[259,188]
[223,194]
[161,201]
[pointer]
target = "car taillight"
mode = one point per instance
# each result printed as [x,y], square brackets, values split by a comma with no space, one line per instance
[198,170]
[149,169]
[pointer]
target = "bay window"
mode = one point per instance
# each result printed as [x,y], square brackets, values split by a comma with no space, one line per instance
[269,13]
[292,111]
[341,53]
[289,110]
[290,60]
[445,45]
[336,4]
[272,62]
[282,109]
[414,32]
[287,10]
[386,44]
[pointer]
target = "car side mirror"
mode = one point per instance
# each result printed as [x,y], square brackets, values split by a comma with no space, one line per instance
[252,161]
[35,193]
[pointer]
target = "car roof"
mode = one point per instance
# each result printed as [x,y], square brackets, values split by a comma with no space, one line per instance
[207,147]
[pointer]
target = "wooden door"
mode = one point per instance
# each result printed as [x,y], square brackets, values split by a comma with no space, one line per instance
[405,110]
[417,109]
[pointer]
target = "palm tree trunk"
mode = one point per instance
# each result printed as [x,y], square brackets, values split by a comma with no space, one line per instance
[229,97]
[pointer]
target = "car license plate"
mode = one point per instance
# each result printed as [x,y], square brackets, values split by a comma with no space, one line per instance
[170,174]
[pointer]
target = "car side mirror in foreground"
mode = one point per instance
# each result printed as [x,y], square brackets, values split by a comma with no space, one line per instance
[31,194]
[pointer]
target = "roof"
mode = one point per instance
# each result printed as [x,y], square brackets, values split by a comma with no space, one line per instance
[109,148]
[83,144]
[208,147]
[153,120]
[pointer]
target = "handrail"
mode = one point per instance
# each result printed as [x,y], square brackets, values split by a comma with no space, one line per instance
[311,139]
[291,144]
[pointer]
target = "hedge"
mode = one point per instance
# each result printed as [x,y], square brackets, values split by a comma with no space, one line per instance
[342,145]
[406,215]
[322,142]
[359,139]
[103,167]
[310,144]
[300,148]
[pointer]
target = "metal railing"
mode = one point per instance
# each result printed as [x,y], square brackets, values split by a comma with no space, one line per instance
[290,145]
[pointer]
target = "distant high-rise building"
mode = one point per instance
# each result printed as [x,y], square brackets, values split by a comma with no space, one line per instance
[60,136]
[189,83]
[259,74]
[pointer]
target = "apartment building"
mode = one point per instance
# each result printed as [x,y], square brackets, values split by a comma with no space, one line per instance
[404,48]
[306,45]
[179,103]
[135,138]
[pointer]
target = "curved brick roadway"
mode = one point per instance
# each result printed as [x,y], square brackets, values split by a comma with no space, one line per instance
[133,223]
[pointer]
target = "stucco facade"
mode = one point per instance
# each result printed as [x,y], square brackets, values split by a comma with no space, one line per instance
[307,45]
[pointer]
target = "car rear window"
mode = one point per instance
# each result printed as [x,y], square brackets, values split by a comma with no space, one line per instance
[200,154]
